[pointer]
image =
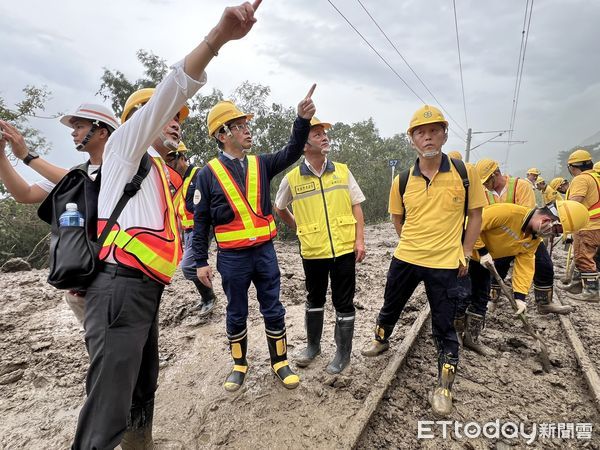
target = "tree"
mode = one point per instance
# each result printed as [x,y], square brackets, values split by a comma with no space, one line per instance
[20,228]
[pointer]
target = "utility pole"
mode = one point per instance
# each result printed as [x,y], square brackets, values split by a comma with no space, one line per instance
[468,150]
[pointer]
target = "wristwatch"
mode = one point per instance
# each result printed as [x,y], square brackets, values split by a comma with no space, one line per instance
[30,157]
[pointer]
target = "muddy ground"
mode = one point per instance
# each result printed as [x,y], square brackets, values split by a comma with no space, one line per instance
[43,363]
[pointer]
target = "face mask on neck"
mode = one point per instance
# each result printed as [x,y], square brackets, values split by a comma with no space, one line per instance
[429,154]
[549,229]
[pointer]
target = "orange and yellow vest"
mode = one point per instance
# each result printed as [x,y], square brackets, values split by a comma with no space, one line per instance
[185,217]
[154,252]
[249,226]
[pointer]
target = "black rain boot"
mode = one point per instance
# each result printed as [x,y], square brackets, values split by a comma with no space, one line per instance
[138,435]
[590,288]
[441,397]
[576,284]
[473,326]
[543,300]
[459,326]
[344,331]
[208,299]
[277,342]
[381,342]
[238,345]
[313,323]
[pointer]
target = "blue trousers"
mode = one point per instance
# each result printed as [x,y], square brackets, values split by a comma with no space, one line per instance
[442,293]
[239,268]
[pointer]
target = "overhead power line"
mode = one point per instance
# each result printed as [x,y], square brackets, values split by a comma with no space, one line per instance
[410,67]
[519,76]
[385,61]
[462,83]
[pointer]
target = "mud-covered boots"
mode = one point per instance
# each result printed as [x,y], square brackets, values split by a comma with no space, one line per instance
[441,397]
[313,323]
[575,286]
[138,435]
[208,299]
[474,323]
[590,288]
[238,345]
[543,300]
[459,326]
[381,342]
[277,341]
[344,331]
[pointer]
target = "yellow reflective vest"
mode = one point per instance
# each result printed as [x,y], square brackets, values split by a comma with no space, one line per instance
[185,217]
[322,208]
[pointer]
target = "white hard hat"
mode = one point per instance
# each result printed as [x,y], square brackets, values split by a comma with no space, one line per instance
[92,112]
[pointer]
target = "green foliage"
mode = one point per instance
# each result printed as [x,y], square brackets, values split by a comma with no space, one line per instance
[21,231]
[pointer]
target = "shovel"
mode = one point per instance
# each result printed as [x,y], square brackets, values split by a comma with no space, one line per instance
[570,266]
[526,325]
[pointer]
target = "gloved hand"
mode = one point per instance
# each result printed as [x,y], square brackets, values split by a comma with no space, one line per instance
[521,307]
[486,260]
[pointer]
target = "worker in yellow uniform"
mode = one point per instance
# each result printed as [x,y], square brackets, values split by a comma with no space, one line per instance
[184,206]
[329,222]
[506,189]
[455,155]
[585,189]
[560,185]
[532,176]
[549,194]
[513,232]
[428,203]
[233,195]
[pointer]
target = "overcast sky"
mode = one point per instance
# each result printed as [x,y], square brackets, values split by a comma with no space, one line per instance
[65,44]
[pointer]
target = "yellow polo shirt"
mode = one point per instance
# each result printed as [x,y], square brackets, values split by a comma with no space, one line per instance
[550,195]
[584,185]
[431,234]
[502,235]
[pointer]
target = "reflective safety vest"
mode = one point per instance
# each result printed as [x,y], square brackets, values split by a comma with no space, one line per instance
[510,192]
[322,207]
[154,252]
[249,226]
[594,210]
[185,217]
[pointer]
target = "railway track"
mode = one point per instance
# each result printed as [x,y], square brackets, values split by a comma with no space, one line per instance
[562,405]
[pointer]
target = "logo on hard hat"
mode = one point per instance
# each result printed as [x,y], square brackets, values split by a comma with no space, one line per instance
[427,114]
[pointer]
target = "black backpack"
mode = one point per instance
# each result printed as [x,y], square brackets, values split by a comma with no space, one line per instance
[74,250]
[462,171]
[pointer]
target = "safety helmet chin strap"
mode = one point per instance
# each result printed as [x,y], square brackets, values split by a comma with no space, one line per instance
[95,125]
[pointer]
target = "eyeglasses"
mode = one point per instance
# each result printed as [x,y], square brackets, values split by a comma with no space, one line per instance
[239,127]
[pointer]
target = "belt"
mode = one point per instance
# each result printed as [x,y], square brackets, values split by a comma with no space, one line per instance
[122,271]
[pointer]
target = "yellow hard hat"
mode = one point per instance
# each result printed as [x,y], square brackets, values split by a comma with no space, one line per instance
[424,115]
[485,168]
[579,156]
[573,215]
[223,112]
[455,155]
[181,147]
[597,167]
[556,182]
[534,171]
[140,98]
[540,180]
[314,122]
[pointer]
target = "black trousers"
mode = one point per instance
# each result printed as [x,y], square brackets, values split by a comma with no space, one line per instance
[342,271]
[544,270]
[121,334]
[442,294]
[477,293]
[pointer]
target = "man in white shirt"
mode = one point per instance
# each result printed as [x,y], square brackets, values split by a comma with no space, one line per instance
[329,222]
[92,125]
[140,255]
